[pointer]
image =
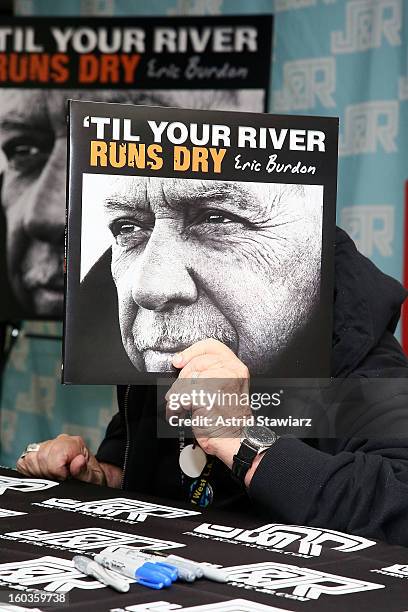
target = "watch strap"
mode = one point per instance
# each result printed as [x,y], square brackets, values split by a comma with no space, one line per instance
[243,460]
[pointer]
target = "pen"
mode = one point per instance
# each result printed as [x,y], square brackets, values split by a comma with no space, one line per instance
[190,565]
[149,576]
[92,568]
[208,571]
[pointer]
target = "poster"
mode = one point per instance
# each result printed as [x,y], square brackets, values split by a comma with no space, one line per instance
[204,62]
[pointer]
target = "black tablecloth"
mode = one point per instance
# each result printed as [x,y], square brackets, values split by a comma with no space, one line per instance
[273,566]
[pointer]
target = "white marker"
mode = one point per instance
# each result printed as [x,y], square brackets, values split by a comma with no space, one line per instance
[92,568]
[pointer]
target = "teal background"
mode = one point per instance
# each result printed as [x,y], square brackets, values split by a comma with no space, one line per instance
[345,58]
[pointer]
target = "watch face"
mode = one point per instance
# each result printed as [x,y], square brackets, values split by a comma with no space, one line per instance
[260,436]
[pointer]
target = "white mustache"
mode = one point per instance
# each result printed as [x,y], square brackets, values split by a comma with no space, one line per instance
[155,331]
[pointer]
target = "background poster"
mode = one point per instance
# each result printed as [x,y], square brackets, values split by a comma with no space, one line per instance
[200,62]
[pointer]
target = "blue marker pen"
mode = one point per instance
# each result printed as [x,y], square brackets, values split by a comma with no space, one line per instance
[151,578]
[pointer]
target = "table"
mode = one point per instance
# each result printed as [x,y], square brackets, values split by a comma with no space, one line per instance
[273,567]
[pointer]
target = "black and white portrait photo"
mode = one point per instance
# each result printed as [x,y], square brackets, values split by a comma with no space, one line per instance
[33,156]
[182,259]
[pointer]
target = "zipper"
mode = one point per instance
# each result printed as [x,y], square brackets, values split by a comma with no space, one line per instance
[126,402]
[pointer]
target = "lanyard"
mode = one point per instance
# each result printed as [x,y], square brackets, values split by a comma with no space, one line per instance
[182,443]
[201,492]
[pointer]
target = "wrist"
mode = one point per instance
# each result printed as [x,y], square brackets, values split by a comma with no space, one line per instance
[256,441]
[253,468]
[222,447]
[226,449]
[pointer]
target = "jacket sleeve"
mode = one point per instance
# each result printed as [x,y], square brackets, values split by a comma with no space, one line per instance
[356,486]
[112,447]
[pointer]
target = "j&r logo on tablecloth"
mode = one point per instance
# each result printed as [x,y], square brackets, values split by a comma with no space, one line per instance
[88,539]
[309,541]
[119,509]
[27,485]
[299,583]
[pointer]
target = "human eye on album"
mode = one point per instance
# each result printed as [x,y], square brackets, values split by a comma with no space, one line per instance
[215,220]
[26,153]
[128,232]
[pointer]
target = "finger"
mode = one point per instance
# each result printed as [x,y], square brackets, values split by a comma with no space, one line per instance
[203,367]
[22,467]
[172,390]
[78,467]
[202,347]
[172,399]
[173,407]
[180,386]
[226,392]
[60,454]
[204,393]
[31,465]
[171,412]
[86,469]
[199,371]
[200,365]
[179,396]
[42,458]
[28,464]
[51,469]
[178,401]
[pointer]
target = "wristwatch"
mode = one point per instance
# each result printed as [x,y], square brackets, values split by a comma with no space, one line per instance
[256,439]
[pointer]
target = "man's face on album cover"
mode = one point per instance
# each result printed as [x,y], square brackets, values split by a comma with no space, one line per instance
[33,134]
[191,259]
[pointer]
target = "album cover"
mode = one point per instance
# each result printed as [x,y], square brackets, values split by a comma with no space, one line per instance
[192,224]
[218,62]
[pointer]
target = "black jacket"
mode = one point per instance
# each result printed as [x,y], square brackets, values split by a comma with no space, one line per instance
[356,484]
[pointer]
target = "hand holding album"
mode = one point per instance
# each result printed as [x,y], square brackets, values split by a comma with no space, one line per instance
[209,374]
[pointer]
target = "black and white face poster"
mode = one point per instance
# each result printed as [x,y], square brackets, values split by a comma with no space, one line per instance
[188,224]
[220,63]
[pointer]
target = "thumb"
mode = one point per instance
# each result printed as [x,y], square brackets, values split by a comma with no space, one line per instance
[87,469]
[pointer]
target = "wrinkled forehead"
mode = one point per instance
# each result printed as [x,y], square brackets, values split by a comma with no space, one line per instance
[19,107]
[151,193]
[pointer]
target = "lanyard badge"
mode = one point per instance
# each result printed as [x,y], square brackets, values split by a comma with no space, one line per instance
[192,460]
[194,463]
[201,492]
